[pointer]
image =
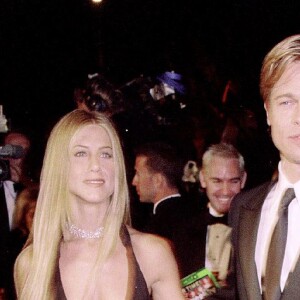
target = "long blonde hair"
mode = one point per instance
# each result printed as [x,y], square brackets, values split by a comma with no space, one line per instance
[53,207]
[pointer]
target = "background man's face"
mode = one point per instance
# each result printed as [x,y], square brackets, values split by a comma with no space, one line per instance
[222,180]
[16,165]
[142,180]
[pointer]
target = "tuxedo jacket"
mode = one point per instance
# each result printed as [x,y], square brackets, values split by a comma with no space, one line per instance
[244,217]
[191,240]
[4,238]
[168,216]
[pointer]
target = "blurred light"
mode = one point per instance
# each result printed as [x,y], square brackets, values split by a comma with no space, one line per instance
[96,1]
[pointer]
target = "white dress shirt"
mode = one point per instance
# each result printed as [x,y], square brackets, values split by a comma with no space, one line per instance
[267,223]
[218,246]
[10,196]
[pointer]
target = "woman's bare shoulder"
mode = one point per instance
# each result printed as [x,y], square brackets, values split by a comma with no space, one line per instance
[151,250]
[157,262]
[21,268]
[24,258]
[147,242]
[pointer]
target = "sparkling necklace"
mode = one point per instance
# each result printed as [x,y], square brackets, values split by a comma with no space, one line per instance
[84,234]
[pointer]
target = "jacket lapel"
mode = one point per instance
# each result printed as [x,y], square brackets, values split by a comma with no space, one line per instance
[292,287]
[247,235]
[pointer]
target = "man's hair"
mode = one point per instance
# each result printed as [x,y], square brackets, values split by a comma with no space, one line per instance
[162,158]
[17,132]
[223,150]
[275,62]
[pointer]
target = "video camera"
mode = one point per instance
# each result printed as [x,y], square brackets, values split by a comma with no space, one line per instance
[8,151]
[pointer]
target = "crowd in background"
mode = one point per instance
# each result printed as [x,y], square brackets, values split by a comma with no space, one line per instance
[159,109]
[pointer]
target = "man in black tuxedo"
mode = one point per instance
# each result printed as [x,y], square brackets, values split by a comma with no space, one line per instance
[9,189]
[257,214]
[205,238]
[158,172]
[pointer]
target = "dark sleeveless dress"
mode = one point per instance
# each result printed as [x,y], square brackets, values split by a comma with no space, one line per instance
[137,287]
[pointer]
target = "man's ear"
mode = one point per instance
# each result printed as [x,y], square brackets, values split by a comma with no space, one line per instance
[158,179]
[202,178]
[266,109]
[243,180]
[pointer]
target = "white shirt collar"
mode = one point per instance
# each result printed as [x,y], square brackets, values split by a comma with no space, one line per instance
[163,199]
[283,182]
[213,212]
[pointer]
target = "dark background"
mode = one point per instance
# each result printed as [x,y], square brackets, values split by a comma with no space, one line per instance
[48,47]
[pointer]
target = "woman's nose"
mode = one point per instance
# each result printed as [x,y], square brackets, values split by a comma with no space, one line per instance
[95,165]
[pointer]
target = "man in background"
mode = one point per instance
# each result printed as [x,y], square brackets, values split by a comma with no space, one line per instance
[205,240]
[10,186]
[157,179]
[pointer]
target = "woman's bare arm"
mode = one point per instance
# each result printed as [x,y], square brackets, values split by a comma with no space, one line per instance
[158,265]
[21,268]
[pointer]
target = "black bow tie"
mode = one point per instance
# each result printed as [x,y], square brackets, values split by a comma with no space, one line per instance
[215,220]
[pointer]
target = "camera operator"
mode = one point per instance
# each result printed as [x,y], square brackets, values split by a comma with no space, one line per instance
[12,181]
[99,94]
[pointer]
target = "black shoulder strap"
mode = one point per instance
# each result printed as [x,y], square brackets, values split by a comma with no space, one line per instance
[137,287]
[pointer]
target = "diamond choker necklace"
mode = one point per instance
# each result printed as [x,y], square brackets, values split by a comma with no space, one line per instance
[85,234]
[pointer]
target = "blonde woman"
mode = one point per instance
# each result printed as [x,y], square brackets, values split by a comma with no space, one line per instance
[81,246]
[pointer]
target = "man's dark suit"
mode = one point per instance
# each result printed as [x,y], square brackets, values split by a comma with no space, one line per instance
[4,236]
[191,250]
[6,279]
[167,218]
[244,218]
